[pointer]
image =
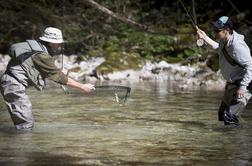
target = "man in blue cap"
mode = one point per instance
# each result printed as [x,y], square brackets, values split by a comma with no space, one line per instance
[236,67]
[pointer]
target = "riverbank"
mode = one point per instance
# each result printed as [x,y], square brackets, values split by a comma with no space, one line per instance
[185,77]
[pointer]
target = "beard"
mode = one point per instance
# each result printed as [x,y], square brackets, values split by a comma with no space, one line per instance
[54,52]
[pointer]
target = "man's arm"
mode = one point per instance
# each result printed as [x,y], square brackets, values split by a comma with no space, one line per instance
[85,87]
[207,39]
[45,64]
[242,55]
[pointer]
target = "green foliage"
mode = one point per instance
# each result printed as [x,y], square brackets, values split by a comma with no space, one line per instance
[116,61]
[143,43]
[90,32]
[130,48]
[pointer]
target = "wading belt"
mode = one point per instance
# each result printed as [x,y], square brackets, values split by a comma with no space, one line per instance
[236,83]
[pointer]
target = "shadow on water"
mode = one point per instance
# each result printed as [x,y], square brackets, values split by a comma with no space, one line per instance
[7,130]
[44,158]
[191,123]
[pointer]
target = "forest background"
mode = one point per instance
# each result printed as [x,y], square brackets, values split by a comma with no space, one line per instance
[127,30]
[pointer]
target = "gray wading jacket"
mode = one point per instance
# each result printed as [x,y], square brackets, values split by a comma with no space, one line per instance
[21,66]
[239,52]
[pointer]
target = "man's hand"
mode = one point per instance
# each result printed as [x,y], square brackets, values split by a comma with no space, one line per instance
[240,93]
[85,87]
[88,88]
[201,34]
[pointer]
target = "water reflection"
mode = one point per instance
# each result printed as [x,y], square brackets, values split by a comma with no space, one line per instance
[159,125]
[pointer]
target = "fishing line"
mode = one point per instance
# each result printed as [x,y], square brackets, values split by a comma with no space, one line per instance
[200,42]
[238,11]
[188,14]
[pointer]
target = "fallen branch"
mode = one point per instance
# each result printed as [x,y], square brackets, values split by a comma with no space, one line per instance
[128,21]
[112,14]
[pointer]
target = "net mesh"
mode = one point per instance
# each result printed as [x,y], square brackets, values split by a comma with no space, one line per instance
[120,93]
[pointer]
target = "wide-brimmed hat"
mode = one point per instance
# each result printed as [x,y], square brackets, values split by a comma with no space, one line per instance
[52,35]
[223,22]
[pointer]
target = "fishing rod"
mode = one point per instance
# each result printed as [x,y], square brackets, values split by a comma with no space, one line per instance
[65,89]
[200,42]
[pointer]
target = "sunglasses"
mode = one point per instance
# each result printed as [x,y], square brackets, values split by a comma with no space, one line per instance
[218,30]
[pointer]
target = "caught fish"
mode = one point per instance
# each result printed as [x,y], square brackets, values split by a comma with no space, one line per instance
[116,97]
[120,93]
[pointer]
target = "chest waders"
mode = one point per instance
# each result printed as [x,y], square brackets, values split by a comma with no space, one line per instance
[231,107]
[19,75]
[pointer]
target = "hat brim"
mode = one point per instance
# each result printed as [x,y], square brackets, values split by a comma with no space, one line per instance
[51,40]
[217,26]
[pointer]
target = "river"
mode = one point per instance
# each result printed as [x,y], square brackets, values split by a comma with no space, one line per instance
[159,125]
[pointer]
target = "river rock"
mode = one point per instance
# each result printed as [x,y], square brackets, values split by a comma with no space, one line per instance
[199,76]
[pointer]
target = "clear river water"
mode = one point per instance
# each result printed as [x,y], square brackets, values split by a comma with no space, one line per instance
[159,125]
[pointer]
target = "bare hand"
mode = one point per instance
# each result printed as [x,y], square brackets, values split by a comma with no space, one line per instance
[201,34]
[88,88]
[240,93]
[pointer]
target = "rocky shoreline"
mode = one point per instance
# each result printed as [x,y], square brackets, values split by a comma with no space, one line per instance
[185,77]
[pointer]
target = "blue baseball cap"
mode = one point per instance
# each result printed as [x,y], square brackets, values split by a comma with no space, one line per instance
[223,22]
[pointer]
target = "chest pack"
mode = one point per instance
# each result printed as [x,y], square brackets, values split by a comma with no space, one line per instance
[28,47]
[20,54]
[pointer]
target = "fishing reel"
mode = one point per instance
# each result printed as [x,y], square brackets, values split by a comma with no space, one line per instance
[200,42]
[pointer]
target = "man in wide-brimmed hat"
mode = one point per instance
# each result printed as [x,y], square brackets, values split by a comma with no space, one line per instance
[32,62]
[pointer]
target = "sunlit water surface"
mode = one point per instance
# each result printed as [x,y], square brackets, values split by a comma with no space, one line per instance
[159,125]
